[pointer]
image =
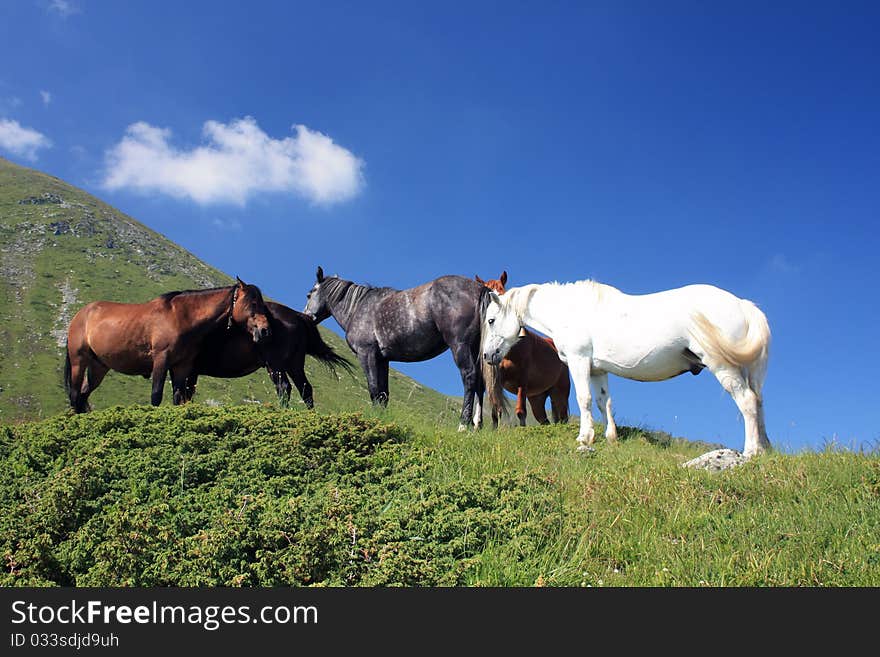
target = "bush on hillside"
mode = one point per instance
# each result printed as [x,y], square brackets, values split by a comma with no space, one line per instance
[198,496]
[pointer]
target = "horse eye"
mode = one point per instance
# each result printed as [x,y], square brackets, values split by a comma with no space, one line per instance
[492,320]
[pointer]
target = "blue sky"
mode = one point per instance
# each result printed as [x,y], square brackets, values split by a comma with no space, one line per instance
[646,145]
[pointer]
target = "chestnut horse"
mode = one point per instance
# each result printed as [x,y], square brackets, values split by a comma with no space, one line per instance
[230,354]
[532,370]
[155,338]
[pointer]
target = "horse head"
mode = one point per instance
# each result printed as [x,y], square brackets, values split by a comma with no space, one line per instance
[501,328]
[249,310]
[317,305]
[496,284]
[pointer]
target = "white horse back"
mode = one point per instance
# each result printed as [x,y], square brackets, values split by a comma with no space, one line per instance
[645,337]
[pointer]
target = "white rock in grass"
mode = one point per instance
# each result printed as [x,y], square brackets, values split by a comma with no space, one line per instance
[717,460]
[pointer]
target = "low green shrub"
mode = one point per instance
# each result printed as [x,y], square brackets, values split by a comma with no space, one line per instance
[247,496]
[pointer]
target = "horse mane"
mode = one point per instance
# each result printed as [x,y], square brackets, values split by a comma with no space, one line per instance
[348,293]
[168,296]
[483,303]
[516,299]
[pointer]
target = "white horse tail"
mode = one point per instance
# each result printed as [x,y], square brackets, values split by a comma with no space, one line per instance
[750,353]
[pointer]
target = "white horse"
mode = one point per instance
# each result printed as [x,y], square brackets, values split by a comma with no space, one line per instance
[652,337]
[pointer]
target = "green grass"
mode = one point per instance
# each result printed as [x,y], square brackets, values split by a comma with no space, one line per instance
[261,496]
[633,516]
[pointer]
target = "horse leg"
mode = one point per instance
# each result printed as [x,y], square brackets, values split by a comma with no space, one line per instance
[478,411]
[749,405]
[94,375]
[763,439]
[189,388]
[370,362]
[523,374]
[75,381]
[382,381]
[160,369]
[466,361]
[302,384]
[756,373]
[283,389]
[282,386]
[521,413]
[179,378]
[495,413]
[479,389]
[599,385]
[580,374]
[539,407]
[304,387]
[559,398]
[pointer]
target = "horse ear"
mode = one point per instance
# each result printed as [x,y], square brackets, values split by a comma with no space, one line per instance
[479,280]
[493,296]
[240,282]
[503,277]
[320,274]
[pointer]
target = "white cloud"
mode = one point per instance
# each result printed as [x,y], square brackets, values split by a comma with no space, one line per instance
[63,8]
[47,97]
[236,161]
[21,141]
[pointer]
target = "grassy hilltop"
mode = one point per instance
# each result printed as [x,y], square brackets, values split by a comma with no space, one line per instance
[245,496]
[248,494]
[61,248]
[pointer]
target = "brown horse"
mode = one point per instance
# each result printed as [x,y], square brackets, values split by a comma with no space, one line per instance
[229,354]
[532,370]
[155,338]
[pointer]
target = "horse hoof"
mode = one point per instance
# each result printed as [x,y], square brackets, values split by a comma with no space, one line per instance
[461,428]
[585,449]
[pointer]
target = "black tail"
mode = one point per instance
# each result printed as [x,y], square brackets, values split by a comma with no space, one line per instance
[68,379]
[317,348]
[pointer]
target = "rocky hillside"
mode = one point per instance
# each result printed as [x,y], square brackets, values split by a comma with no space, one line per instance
[61,248]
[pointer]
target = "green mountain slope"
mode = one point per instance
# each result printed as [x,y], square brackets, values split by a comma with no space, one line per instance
[61,248]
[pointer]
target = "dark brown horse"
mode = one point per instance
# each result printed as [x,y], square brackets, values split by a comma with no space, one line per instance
[155,338]
[230,354]
[531,370]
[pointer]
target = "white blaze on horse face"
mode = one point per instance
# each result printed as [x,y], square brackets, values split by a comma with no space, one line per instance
[501,332]
[313,303]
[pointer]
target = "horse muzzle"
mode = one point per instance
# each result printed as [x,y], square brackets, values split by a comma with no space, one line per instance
[261,334]
[493,358]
